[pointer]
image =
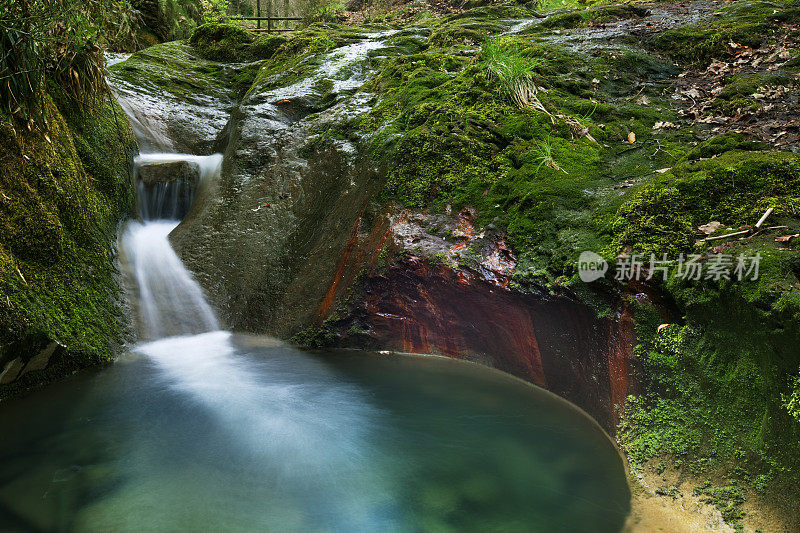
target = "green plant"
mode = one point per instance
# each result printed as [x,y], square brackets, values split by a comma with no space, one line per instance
[320,10]
[214,10]
[57,40]
[543,153]
[792,401]
[513,71]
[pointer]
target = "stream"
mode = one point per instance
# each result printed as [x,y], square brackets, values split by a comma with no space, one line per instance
[199,429]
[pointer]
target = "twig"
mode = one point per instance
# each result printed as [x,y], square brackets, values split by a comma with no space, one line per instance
[20,274]
[762,230]
[734,234]
[763,218]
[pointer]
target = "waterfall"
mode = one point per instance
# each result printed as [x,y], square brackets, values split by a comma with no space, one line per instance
[180,177]
[170,301]
[167,299]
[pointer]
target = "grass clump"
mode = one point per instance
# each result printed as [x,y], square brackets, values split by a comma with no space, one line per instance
[513,71]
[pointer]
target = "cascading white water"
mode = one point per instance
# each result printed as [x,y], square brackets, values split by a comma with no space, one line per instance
[170,302]
[170,200]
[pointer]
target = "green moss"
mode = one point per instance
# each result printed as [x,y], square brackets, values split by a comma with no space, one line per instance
[736,96]
[63,194]
[744,23]
[450,135]
[734,188]
[265,45]
[714,385]
[176,68]
[593,15]
[228,43]
[298,56]
[723,143]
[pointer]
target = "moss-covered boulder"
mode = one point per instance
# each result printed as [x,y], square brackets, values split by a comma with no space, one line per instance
[222,42]
[743,23]
[63,191]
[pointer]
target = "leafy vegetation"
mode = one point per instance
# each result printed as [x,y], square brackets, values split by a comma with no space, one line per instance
[58,41]
[513,71]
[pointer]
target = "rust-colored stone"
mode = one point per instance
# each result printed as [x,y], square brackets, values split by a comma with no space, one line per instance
[554,342]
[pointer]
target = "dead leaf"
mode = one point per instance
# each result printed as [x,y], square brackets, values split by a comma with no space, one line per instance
[631,137]
[710,228]
[662,326]
[786,238]
[643,100]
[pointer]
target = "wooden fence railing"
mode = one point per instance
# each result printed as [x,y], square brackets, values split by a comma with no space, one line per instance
[270,20]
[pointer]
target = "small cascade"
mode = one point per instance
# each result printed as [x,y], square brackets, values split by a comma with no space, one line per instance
[167,183]
[168,301]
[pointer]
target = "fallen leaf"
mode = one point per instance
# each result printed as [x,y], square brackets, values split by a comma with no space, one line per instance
[710,228]
[786,238]
[631,137]
[662,326]
[643,100]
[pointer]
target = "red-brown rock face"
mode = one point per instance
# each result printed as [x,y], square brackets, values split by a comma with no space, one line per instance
[439,306]
[554,342]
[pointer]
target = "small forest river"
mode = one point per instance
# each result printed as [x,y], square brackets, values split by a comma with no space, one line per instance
[199,429]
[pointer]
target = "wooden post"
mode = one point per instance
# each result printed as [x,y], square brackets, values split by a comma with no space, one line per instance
[258,14]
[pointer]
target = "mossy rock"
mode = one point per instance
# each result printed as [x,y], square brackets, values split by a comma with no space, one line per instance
[265,46]
[738,90]
[222,42]
[734,188]
[745,23]
[724,143]
[64,192]
[592,15]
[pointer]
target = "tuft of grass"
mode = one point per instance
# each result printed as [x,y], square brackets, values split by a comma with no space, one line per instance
[543,153]
[60,41]
[513,71]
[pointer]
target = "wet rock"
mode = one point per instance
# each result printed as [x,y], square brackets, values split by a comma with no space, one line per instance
[166,172]
[11,371]
[421,306]
[176,101]
[317,187]
[41,359]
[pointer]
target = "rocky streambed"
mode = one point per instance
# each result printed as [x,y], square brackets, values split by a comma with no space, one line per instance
[381,190]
